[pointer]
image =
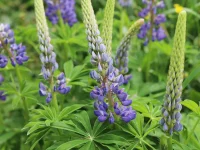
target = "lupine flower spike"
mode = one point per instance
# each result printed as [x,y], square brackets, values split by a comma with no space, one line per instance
[16,53]
[65,7]
[2,95]
[121,58]
[125,3]
[152,29]
[171,115]
[110,100]
[47,57]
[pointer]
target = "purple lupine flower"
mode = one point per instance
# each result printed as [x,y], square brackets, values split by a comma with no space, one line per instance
[2,95]
[49,97]
[19,54]
[125,112]
[160,34]
[42,89]
[157,32]
[16,53]
[111,118]
[51,11]
[160,19]
[66,8]
[1,79]
[6,35]
[61,87]
[3,61]
[125,3]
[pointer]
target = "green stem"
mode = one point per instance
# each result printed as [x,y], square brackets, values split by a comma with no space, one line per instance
[26,112]
[54,97]
[18,76]
[152,20]
[188,138]
[169,143]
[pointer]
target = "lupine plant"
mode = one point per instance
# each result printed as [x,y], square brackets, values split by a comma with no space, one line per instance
[63,9]
[2,95]
[172,106]
[93,85]
[108,76]
[152,30]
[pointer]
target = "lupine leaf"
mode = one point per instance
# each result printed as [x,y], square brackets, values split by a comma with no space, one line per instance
[99,127]
[84,119]
[71,144]
[68,68]
[68,110]
[88,145]
[69,126]
[195,72]
[111,139]
[191,105]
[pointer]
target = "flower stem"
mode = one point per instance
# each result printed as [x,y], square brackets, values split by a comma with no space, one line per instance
[169,143]
[54,97]
[26,112]
[152,20]
[188,138]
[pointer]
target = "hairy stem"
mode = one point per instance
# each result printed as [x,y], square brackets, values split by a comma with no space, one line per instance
[54,97]
[169,143]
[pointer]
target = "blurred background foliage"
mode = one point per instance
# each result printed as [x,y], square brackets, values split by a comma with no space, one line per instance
[148,65]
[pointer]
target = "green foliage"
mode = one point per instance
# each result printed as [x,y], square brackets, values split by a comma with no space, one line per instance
[87,136]
[74,125]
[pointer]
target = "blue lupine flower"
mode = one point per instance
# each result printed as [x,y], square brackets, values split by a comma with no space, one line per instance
[2,96]
[49,97]
[111,118]
[61,87]
[126,113]
[157,31]
[16,53]
[42,89]
[3,61]
[125,3]
[19,54]
[1,79]
[6,35]
[66,8]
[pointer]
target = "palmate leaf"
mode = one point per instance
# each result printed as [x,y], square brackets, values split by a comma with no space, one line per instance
[76,74]
[96,137]
[149,107]
[138,132]
[44,120]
